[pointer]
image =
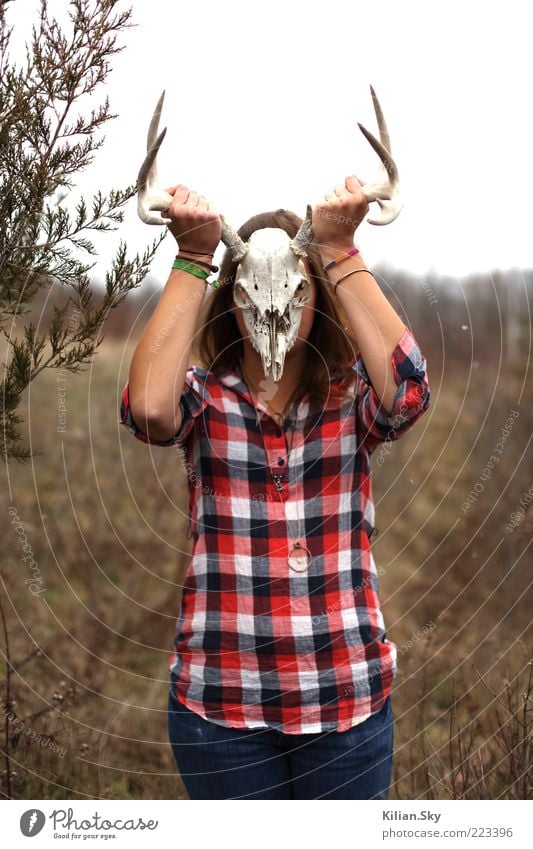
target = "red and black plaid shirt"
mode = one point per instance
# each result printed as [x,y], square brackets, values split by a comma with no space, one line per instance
[257,644]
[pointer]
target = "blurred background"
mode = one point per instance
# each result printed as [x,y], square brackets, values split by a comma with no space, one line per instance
[274,96]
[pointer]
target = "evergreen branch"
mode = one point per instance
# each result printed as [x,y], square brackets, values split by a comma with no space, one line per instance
[47,137]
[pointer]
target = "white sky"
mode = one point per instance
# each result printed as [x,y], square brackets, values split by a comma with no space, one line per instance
[262,107]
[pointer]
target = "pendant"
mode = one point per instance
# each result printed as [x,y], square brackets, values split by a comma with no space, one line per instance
[299,558]
[277,482]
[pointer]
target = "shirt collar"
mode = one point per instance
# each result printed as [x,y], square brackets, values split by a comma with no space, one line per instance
[234,379]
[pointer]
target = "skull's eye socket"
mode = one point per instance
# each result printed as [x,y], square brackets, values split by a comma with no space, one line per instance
[302,289]
[241,297]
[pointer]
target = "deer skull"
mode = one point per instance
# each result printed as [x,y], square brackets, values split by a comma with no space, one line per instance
[271,283]
[271,287]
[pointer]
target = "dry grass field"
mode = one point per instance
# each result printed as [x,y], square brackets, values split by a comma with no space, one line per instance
[88,617]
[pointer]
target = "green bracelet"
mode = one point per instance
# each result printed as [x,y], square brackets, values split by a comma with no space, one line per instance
[197,272]
[188,266]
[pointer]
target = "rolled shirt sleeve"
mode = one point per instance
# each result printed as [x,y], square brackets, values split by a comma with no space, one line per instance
[410,401]
[193,401]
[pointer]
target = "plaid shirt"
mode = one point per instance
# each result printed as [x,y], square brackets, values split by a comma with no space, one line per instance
[258,645]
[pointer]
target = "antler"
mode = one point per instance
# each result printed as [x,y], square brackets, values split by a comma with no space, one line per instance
[152,199]
[151,196]
[386,187]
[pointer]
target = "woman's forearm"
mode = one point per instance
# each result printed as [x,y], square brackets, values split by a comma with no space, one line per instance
[161,358]
[374,322]
[160,361]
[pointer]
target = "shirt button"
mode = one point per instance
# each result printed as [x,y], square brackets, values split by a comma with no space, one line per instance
[281,461]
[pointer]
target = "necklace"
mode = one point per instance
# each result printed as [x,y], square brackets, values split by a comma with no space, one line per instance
[299,557]
[278,413]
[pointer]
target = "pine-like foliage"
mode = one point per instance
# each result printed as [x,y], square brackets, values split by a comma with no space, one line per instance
[50,125]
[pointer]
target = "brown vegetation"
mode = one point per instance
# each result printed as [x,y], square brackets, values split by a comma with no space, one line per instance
[105,518]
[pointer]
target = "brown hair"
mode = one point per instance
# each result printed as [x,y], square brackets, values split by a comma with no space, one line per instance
[332,346]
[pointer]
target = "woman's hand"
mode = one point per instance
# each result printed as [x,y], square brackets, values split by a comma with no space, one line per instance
[336,218]
[195,223]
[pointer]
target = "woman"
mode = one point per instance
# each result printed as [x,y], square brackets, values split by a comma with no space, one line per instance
[281,673]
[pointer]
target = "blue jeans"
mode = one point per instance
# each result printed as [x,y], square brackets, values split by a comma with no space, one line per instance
[233,763]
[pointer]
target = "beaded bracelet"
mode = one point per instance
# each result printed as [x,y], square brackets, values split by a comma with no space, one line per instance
[339,259]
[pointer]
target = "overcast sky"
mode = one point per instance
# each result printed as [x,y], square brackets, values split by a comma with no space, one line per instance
[262,107]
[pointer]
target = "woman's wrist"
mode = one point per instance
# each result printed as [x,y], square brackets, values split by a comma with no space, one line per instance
[335,270]
[351,267]
[334,274]
[328,253]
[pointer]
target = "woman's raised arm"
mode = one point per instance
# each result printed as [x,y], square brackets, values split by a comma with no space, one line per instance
[160,361]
